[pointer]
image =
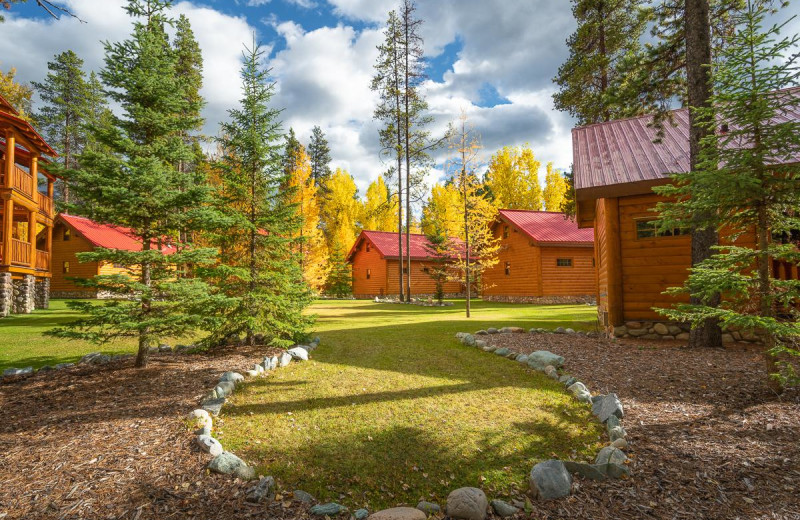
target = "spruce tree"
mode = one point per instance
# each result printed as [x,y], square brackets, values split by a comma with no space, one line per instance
[291,151]
[67,97]
[130,179]
[260,242]
[593,80]
[738,187]
[439,249]
[320,154]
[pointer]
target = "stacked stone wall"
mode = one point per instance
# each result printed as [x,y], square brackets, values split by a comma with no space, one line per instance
[542,300]
[6,294]
[673,330]
[42,296]
[24,294]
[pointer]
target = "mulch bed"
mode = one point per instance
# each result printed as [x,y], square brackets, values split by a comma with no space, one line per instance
[708,439]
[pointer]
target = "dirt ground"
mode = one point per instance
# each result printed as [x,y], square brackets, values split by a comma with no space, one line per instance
[708,439]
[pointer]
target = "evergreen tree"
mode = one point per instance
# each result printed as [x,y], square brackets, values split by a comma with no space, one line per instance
[291,152]
[130,179]
[340,277]
[261,263]
[439,248]
[593,80]
[320,154]
[738,187]
[67,99]
[569,204]
[388,82]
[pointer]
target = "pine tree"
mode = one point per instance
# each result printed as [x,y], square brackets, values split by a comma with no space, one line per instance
[261,243]
[738,187]
[67,99]
[320,154]
[388,82]
[439,249]
[130,179]
[594,78]
[340,276]
[513,178]
[291,151]
[555,189]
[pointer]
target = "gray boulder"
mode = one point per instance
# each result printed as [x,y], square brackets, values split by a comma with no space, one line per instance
[164,348]
[262,491]
[429,508]
[569,331]
[469,340]
[503,509]
[232,377]
[611,455]
[590,471]
[224,388]
[213,406]
[284,359]
[516,330]
[361,514]
[619,443]
[533,331]
[502,351]
[522,358]
[227,463]
[541,358]
[329,509]
[209,445]
[606,406]
[505,330]
[10,372]
[266,364]
[492,330]
[550,480]
[576,388]
[399,513]
[481,333]
[64,365]
[467,503]
[551,371]
[302,496]
[490,348]
[480,343]
[560,330]
[253,373]
[298,353]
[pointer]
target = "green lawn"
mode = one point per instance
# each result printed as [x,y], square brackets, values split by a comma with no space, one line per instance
[23,343]
[392,409]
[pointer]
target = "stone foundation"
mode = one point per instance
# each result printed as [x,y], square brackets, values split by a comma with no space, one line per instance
[672,330]
[24,294]
[42,295]
[6,294]
[72,295]
[542,300]
[414,296]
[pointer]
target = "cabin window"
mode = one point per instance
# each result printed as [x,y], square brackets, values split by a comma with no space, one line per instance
[369,274]
[648,229]
[367,247]
[118,266]
[65,267]
[426,270]
[405,270]
[563,262]
[508,268]
[593,262]
[67,234]
[505,231]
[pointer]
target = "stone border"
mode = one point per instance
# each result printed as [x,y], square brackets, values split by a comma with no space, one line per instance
[552,479]
[587,299]
[669,330]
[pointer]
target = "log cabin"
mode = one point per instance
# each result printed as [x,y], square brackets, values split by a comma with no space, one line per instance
[26,194]
[543,258]
[375,261]
[73,234]
[616,165]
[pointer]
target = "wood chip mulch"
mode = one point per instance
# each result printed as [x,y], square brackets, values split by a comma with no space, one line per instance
[708,438]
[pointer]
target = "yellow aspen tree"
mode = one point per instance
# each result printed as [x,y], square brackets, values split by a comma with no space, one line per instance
[443,211]
[18,94]
[314,249]
[555,189]
[340,212]
[513,178]
[379,212]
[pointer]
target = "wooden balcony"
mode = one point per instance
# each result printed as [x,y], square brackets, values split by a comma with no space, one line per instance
[20,252]
[45,205]
[42,260]
[21,181]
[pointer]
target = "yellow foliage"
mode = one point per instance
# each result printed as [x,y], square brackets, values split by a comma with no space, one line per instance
[555,189]
[379,212]
[340,212]
[17,94]
[513,178]
[314,250]
[444,210]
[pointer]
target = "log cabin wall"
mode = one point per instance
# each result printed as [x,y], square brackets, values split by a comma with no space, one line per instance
[575,279]
[421,282]
[369,272]
[65,263]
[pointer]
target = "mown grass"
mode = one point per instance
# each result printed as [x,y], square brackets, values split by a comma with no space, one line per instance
[392,409]
[23,342]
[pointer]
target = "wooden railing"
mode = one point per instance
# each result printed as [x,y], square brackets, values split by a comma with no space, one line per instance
[22,181]
[42,260]
[45,205]
[20,252]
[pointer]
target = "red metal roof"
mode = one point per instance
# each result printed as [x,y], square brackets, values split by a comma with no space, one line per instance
[622,151]
[386,244]
[546,226]
[107,235]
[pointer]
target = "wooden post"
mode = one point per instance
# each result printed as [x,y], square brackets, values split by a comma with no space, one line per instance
[614,267]
[49,246]
[11,145]
[8,219]
[539,281]
[32,237]
[35,177]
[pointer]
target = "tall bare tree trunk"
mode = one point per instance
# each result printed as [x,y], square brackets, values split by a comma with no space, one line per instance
[406,95]
[398,152]
[698,76]
[143,353]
